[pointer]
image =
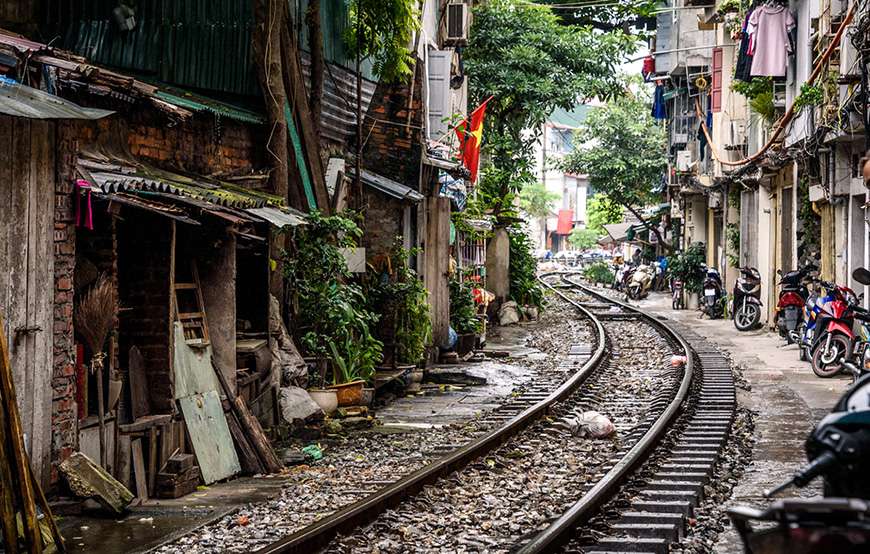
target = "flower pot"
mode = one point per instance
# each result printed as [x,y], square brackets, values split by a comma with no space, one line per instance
[368,396]
[327,399]
[691,300]
[349,394]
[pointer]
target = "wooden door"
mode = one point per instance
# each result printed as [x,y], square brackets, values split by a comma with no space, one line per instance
[27,273]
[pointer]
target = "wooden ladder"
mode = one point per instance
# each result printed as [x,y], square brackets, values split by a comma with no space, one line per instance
[194,323]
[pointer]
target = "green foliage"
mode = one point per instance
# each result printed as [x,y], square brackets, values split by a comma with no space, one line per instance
[601,211]
[623,150]
[331,309]
[599,272]
[523,274]
[686,266]
[354,358]
[763,106]
[387,27]
[618,14]
[810,229]
[531,64]
[756,87]
[732,6]
[463,310]
[732,235]
[398,294]
[583,238]
[537,201]
[810,95]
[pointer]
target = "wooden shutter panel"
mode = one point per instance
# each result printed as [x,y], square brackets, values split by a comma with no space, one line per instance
[716,89]
[439,91]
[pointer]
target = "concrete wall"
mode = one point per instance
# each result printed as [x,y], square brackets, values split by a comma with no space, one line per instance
[498,264]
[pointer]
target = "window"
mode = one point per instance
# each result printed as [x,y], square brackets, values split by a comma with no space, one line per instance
[716,89]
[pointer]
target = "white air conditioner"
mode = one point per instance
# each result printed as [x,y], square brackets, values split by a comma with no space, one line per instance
[457,24]
[738,134]
[684,160]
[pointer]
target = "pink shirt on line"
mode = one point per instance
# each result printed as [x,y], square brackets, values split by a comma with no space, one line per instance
[769,27]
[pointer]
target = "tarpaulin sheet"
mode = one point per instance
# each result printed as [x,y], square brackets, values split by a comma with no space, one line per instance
[566,222]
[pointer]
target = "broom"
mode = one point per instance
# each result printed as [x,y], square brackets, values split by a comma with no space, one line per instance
[93,319]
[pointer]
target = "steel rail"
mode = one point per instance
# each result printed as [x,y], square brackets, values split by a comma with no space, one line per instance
[561,530]
[319,534]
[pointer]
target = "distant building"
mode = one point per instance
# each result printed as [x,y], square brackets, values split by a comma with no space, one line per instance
[557,140]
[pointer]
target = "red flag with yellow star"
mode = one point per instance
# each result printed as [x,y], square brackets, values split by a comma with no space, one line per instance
[470,134]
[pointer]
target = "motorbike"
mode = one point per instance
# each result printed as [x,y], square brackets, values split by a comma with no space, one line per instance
[841,327]
[838,451]
[746,307]
[792,297]
[640,283]
[714,294]
[619,275]
[677,294]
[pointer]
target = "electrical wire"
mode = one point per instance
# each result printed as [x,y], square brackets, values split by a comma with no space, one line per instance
[789,115]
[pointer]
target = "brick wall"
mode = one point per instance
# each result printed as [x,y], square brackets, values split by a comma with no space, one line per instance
[383,223]
[392,147]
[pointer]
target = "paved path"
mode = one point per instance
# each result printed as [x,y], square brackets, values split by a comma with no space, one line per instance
[787,397]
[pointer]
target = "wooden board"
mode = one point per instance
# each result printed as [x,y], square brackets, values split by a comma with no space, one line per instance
[139,469]
[194,373]
[210,436]
[27,277]
[138,384]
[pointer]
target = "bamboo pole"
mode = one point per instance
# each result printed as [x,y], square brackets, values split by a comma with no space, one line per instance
[22,476]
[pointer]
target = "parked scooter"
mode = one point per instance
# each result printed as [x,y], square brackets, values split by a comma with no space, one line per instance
[640,283]
[620,272]
[838,450]
[714,294]
[840,327]
[747,299]
[792,297]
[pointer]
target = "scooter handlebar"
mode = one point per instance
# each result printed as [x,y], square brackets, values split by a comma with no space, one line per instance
[805,475]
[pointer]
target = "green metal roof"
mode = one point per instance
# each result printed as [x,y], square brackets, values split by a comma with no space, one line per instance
[197,103]
[572,118]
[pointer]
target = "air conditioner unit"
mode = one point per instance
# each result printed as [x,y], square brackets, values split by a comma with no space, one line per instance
[738,134]
[684,160]
[457,24]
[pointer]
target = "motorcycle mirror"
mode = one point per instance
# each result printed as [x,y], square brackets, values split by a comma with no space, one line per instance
[779,272]
[861,275]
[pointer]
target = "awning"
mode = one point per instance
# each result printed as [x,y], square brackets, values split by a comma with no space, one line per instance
[566,222]
[390,187]
[23,101]
[618,231]
[287,217]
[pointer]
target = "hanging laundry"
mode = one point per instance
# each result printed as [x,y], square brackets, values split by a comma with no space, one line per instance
[84,216]
[659,109]
[769,27]
[744,58]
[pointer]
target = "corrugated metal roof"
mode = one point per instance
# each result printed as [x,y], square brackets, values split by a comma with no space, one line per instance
[197,103]
[288,217]
[23,101]
[390,187]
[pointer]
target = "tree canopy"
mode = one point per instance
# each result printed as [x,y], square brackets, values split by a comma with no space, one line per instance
[531,64]
[623,150]
[386,28]
[601,211]
[537,201]
[617,14]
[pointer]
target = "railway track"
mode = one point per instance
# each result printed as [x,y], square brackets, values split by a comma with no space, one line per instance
[643,414]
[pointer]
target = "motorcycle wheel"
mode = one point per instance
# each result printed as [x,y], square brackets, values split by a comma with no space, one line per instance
[829,362]
[746,318]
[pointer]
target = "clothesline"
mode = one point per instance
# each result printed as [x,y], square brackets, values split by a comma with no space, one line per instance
[787,117]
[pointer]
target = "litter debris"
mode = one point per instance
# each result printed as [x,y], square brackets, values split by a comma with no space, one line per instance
[313,451]
[508,314]
[678,361]
[591,424]
[243,520]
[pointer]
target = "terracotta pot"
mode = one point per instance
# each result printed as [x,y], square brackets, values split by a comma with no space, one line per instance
[349,394]
[368,396]
[327,399]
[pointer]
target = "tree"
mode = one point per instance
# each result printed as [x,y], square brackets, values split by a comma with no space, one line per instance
[537,201]
[318,65]
[382,30]
[617,14]
[584,238]
[601,211]
[623,150]
[520,54]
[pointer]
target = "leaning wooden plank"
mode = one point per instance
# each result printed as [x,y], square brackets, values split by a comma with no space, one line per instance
[138,384]
[252,429]
[88,480]
[46,509]
[139,469]
[249,460]
[210,436]
[18,458]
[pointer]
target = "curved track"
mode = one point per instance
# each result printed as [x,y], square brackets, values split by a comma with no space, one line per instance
[659,415]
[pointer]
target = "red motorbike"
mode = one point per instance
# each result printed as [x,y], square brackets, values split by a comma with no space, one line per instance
[792,297]
[835,335]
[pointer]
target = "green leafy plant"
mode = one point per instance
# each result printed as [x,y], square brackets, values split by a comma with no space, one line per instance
[686,266]
[385,28]
[810,95]
[757,86]
[525,289]
[763,106]
[599,272]
[583,238]
[730,6]
[732,235]
[397,293]
[330,310]
[463,310]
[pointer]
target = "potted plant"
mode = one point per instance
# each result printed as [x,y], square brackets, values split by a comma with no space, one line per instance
[463,316]
[686,266]
[353,365]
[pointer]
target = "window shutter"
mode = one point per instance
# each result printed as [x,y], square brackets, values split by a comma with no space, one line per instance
[716,89]
[439,91]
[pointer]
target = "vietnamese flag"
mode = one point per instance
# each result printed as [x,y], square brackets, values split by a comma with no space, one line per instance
[470,135]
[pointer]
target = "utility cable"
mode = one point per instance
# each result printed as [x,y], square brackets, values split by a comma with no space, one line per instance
[787,117]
